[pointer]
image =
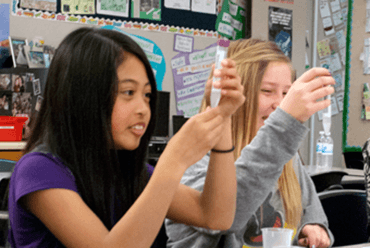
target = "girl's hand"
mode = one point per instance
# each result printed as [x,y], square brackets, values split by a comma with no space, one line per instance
[196,137]
[314,235]
[302,99]
[232,91]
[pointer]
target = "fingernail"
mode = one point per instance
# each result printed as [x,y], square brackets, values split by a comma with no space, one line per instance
[216,72]
[216,84]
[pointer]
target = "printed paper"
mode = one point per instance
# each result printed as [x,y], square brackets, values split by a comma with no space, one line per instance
[323,48]
[114,8]
[335,5]
[177,4]
[337,18]
[324,8]
[340,99]
[328,26]
[183,43]
[204,6]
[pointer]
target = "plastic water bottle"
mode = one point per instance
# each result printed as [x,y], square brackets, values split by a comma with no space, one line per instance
[327,152]
[319,145]
[221,53]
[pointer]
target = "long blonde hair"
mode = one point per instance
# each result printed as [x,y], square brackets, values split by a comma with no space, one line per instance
[252,57]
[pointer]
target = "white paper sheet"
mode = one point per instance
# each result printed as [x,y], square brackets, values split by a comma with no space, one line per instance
[328,26]
[335,5]
[177,4]
[324,8]
[337,18]
[204,6]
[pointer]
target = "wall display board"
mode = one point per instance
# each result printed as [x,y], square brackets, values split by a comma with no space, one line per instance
[153,53]
[151,15]
[356,129]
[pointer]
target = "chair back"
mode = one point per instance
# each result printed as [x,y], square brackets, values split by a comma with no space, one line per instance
[346,213]
[6,169]
[328,180]
[354,160]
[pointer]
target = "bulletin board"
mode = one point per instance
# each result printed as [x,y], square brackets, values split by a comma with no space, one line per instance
[169,18]
[356,130]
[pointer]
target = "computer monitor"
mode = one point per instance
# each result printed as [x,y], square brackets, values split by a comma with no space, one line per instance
[163,114]
[177,122]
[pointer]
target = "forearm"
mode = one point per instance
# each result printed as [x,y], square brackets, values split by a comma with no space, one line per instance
[262,161]
[141,223]
[218,199]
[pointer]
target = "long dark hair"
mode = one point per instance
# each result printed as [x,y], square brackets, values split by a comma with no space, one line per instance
[75,120]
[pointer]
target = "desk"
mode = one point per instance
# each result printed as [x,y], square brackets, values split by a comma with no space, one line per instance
[354,246]
[313,170]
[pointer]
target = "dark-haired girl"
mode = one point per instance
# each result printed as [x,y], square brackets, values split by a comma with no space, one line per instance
[82,181]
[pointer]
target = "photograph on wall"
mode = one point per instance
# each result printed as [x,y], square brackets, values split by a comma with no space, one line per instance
[36,87]
[21,104]
[35,57]
[78,6]
[17,51]
[280,28]
[48,54]
[19,83]
[38,103]
[5,103]
[5,82]
[147,9]
[48,5]
[114,8]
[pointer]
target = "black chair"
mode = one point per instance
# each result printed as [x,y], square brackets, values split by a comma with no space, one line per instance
[6,167]
[328,180]
[354,184]
[354,160]
[346,213]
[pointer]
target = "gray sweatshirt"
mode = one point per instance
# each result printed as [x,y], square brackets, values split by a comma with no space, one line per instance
[258,169]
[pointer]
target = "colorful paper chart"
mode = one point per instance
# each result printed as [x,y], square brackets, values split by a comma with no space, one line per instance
[153,52]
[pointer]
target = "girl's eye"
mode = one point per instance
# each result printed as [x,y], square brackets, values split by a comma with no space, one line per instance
[128,92]
[265,90]
[148,95]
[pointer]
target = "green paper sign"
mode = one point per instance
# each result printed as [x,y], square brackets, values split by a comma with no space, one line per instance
[230,21]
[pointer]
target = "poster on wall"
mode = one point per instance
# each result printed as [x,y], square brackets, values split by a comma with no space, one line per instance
[153,53]
[190,73]
[48,5]
[114,8]
[230,22]
[78,7]
[146,9]
[280,29]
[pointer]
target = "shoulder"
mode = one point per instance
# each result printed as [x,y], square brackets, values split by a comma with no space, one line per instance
[38,171]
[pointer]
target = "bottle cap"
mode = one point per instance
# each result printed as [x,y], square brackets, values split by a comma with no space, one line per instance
[223,42]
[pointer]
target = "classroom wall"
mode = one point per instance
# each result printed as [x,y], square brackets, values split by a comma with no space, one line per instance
[302,21]
[336,121]
[54,31]
[358,130]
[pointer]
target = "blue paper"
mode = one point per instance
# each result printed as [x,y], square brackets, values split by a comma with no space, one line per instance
[154,54]
[4,21]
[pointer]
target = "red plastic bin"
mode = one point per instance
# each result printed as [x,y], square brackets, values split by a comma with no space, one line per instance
[11,128]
